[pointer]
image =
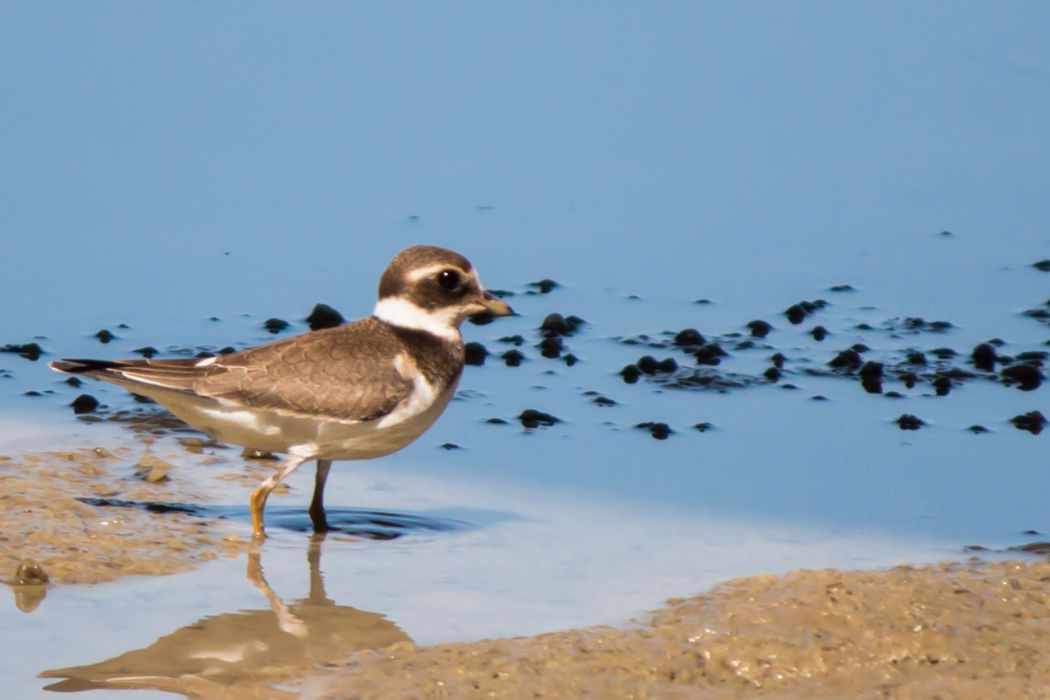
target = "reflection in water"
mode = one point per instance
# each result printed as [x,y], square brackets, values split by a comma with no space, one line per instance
[242,652]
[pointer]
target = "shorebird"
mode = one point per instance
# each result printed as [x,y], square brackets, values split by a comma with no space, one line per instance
[356,391]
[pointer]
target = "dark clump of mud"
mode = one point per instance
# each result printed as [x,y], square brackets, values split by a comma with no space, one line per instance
[324,316]
[531,418]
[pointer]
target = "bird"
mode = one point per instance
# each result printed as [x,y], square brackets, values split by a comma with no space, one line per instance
[356,391]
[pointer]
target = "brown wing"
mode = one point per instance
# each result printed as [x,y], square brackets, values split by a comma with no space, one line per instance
[345,372]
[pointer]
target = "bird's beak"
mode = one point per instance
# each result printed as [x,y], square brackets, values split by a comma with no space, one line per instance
[494,306]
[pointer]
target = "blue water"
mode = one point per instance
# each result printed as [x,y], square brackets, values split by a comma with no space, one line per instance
[168,163]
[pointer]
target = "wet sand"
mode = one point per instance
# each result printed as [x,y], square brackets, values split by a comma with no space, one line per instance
[963,630]
[972,630]
[49,535]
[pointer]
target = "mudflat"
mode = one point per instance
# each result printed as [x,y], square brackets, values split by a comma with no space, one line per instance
[974,629]
[966,630]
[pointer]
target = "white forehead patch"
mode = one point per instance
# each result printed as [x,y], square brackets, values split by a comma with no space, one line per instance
[398,311]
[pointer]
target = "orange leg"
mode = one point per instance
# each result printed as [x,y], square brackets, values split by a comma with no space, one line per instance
[257,502]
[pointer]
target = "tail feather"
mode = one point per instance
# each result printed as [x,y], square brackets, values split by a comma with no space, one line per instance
[71,366]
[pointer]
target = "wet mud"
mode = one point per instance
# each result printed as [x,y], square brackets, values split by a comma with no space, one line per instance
[967,630]
[55,519]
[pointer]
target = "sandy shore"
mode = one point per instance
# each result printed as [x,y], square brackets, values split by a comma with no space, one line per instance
[978,629]
[974,630]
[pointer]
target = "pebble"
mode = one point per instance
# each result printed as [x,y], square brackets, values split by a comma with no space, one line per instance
[942,385]
[556,324]
[275,325]
[324,316]
[710,354]
[544,286]
[1026,377]
[630,374]
[105,336]
[848,359]
[1042,265]
[450,446]
[603,401]
[909,422]
[841,288]
[531,418]
[977,429]
[513,357]
[570,359]
[474,354]
[688,337]
[515,340]
[984,357]
[29,351]
[85,403]
[1033,422]
[659,431]
[819,333]
[551,347]
[703,427]
[146,351]
[30,573]
[759,328]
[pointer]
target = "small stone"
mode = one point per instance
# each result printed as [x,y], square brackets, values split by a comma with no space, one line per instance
[848,359]
[1042,265]
[513,357]
[515,340]
[275,325]
[474,354]
[556,324]
[984,357]
[105,336]
[531,418]
[1033,422]
[74,382]
[544,286]
[772,374]
[759,328]
[153,470]
[29,351]
[1026,377]
[703,427]
[871,369]
[496,421]
[916,358]
[796,314]
[710,354]
[603,401]
[630,374]
[570,359]
[30,573]
[942,385]
[659,431]
[688,337]
[324,316]
[977,429]
[909,422]
[146,351]
[551,347]
[778,360]
[85,403]
[449,446]
[819,333]
[841,288]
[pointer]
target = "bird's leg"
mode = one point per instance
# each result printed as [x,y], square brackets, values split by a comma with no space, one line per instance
[317,514]
[258,498]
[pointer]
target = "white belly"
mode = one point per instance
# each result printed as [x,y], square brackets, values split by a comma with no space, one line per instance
[276,431]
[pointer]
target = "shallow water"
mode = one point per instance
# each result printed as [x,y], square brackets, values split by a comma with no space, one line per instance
[644,161]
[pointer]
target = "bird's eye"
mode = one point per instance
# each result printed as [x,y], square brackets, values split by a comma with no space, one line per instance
[448,279]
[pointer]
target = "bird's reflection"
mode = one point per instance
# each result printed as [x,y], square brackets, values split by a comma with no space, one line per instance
[243,654]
